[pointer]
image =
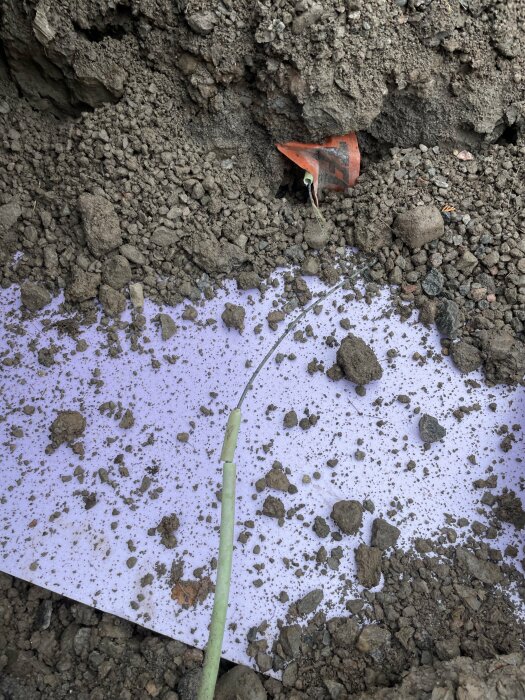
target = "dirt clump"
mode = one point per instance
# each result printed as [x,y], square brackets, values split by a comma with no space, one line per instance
[419,226]
[234,316]
[358,361]
[368,561]
[67,427]
[273,507]
[509,509]
[34,296]
[166,529]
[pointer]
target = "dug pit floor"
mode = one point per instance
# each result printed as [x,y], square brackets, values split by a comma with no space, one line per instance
[137,159]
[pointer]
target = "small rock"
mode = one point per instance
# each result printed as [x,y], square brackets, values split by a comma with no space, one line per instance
[427,312]
[485,571]
[189,684]
[116,271]
[233,316]
[101,224]
[290,640]
[9,215]
[358,361]
[136,294]
[82,285]
[113,302]
[345,633]
[289,675]
[202,23]
[433,283]
[348,516]
[308,18]
[448,318]
[419,225]
[133,254]
[466,357]
[240,683]
[368,561]
[384,535]
[466,262]
[34,296]
[430,430]
[168,327]
[336,690]
[309,602]
[248,280]
[81,641]
[315,234]
[372,638]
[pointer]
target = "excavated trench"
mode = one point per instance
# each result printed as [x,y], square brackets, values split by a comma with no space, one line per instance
[168,112]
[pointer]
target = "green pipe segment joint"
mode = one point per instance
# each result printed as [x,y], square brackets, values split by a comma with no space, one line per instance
[230,439]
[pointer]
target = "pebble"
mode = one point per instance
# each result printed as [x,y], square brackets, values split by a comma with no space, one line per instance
[348,516]
[430,429]
[433,283]
[448,318]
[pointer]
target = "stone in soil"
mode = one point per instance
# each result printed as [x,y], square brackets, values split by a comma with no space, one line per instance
[433,283]
[101,224]
[372,638]
[290,640]
[234,316]
[316,234]
[368,560]
[344,632]
[116,271]
[483,570]
[34,296]
[348,516]
[358,361]
[82,285]
[241,683]
[419,225]
[112,301]
[430,429]
[465,356]
[384,534]
[448,318]
[67,426]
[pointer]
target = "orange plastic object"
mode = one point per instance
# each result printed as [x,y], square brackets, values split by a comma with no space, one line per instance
[333,164]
